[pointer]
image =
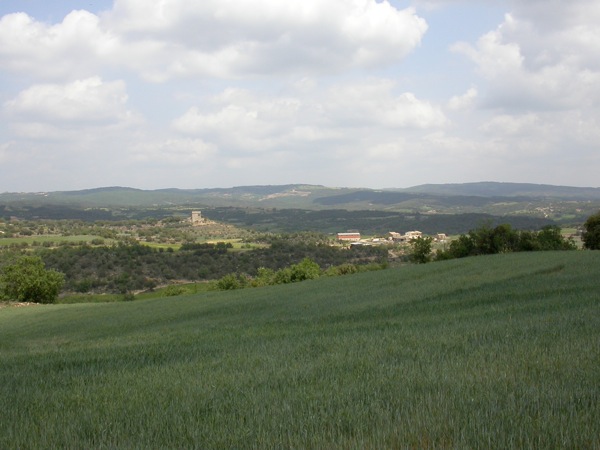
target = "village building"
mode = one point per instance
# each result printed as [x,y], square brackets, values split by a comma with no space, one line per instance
[349,237]
[408,236]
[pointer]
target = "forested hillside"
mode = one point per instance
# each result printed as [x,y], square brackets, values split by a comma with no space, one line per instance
[123,268]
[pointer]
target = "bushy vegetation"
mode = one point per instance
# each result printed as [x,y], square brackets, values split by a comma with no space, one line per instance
[306,269]
[128,267]
[487,240]
[27,280]
[499,351]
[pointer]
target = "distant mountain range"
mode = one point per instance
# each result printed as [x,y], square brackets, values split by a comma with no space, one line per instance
[556,202]
[495,189]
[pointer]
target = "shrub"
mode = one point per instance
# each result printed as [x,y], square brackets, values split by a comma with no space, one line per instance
[28,280]
[172,291]
[343,269]
[306,269]
[264,277]
[283,276]
[230,282]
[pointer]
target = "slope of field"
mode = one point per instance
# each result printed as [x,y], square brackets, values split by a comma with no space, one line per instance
[492,352]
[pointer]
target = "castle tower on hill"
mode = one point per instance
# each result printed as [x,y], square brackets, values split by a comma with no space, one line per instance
[196,218]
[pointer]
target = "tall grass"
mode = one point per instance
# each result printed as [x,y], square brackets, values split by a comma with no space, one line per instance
[492,352]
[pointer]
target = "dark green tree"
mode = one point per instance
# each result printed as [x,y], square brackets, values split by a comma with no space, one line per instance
[591,235]
[504,239]
[462,247]
[483,240]
[550,238]
[28,280]
[421,250]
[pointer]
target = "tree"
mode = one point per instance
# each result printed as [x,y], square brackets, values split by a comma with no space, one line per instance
[483,239]
[306,269]
[462,247]
[504,239]
[28,280]
[551,238]
[591,235]
[231,281]
[264,277]
[421,250]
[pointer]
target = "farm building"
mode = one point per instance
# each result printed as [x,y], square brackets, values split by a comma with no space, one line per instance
[408,236]
[348,237]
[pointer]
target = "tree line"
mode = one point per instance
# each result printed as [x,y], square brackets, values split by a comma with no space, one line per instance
[489,240]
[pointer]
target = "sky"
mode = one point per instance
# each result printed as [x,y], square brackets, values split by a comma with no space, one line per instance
[186,94]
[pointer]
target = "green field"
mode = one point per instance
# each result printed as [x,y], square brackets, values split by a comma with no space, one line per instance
[483,352]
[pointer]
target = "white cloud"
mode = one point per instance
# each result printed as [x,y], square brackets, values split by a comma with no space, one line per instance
[160,40]
[294,90]
[464,101]
[4,151]
[539,93]
[174,152]
[440,5]
[387,151]
[376,103]
[82,101]
[73,48]
[231,39]
[511,125]
[75,113]
[240,121]
[541,57]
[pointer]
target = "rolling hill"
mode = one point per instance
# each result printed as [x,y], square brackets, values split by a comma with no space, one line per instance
[556,204]
[500,351]
[307,196]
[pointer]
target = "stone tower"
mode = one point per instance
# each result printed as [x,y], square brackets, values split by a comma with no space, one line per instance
[196,218]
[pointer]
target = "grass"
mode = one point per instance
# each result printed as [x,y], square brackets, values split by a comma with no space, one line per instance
[159,245]
[493,352]
[162,292]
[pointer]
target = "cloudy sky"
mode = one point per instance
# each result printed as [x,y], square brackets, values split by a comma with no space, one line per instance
[357,93]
